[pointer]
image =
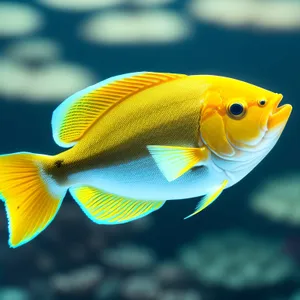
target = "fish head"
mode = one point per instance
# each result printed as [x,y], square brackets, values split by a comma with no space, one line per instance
[240,117]
[249,121]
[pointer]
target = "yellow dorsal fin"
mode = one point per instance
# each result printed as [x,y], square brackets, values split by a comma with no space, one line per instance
[77,113]
[110,209]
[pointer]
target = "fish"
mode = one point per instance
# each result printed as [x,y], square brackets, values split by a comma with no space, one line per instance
[134,141]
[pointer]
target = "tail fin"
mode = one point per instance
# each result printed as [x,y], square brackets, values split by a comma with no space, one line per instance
[32,197]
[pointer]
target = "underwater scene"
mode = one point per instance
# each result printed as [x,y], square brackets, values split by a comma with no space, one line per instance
[90,216]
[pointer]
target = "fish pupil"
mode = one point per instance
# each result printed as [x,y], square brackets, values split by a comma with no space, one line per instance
[262,102]
[236,109]
[58,163]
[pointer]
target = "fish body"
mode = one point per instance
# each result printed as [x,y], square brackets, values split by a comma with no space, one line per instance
[121,163]
[138,140]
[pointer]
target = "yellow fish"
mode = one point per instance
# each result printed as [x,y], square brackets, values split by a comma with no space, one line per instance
[138,140]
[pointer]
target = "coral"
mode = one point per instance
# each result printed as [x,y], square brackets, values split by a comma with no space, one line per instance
[172,275]
[279,199]
[128,258]
[14,294]
[237,260]
[109,288]
[66,259]
[77,259]
[139,287]
[180,295]
[77,283]
[295,296]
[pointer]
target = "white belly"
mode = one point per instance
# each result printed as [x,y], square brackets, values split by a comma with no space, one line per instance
[143,180]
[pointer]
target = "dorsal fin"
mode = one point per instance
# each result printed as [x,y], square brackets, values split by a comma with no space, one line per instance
[77,113]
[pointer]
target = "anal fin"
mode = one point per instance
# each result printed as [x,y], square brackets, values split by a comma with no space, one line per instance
[105,208]
[209,199]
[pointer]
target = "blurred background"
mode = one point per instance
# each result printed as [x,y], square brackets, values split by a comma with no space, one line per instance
[246,245]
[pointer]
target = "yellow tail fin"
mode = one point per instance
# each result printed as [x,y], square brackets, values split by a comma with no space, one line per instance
[32,197]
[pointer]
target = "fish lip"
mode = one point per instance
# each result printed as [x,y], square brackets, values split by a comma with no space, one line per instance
[279,114]
[276,101]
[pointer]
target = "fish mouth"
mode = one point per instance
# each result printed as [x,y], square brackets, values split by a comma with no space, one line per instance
[280,114]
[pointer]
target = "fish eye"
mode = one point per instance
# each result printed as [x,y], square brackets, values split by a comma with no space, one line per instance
[236,110]
[262,102]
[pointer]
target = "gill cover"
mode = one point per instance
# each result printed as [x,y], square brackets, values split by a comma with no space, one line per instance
[212,126]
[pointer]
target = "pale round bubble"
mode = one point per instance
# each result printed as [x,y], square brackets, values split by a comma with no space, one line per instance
[13,79]
[226,12]
[151,2]
[18,19]
[59,81]
[53,82]
[86,5]
[280,15]
[161,26]
[264,14]
[37,49]
[80,5]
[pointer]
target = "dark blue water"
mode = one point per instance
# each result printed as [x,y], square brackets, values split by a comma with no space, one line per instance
[265,58]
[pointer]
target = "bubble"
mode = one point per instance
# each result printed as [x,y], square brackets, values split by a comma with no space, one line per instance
[58,81]
[17,19]
[52,82]
[151,2]
[80,5]
[264,14]
[161,26]
[34,49]
[225,12]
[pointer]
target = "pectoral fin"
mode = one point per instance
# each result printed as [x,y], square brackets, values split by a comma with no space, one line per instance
[175,161]
[209,198]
